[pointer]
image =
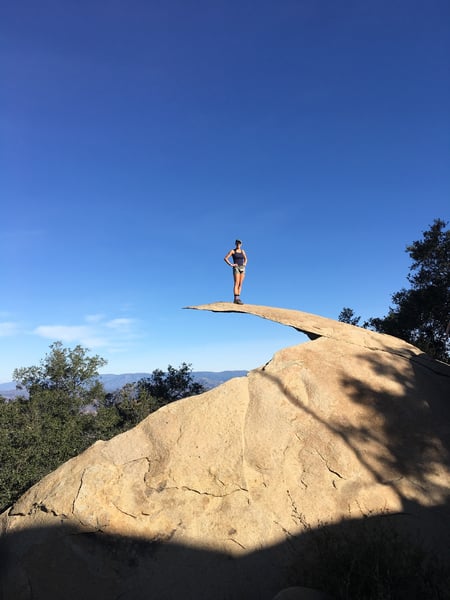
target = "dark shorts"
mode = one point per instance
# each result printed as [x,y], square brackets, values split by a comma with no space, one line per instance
[238,269]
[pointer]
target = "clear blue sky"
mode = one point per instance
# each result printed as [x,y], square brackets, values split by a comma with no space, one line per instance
[139,138]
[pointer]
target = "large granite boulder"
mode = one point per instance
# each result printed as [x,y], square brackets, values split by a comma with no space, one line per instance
[214,495]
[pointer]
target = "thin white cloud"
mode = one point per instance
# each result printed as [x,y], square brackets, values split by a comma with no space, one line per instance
[94,318]
[8,328]
[95,342]
[115,335]
[80,334]
[65,333]
[120,323]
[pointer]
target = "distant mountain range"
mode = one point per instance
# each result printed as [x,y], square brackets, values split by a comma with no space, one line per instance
[209,379]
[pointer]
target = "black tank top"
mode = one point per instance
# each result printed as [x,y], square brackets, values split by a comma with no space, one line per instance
[238,257]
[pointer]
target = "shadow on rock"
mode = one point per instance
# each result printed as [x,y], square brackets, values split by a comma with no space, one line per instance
[370,558]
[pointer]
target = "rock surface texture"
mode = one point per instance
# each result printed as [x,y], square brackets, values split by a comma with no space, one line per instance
[211,496]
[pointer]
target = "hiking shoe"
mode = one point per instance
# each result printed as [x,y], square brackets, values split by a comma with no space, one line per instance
[238,301]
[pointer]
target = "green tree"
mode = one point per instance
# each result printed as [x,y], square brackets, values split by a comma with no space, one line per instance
[420,314]
[347,315]
[67,410]
[123,409]
[43,430]
[171,385]
[37,434]
[16,471]
[67,370]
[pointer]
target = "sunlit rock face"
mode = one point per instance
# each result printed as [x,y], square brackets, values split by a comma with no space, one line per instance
[211,496]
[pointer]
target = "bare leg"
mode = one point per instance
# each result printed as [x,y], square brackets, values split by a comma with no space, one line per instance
[237,278]
[240,282]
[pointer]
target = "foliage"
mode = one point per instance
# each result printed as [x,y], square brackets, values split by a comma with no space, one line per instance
[170,386]
[347,315]
[133,402]
[37,435]
[63,369]
[123,409]
[67,410]
[420,315]
[42,431]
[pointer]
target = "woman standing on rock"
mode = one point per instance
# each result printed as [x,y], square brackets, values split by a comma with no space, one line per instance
[239,261]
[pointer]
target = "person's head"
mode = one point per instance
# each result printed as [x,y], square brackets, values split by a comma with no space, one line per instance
[238,242]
